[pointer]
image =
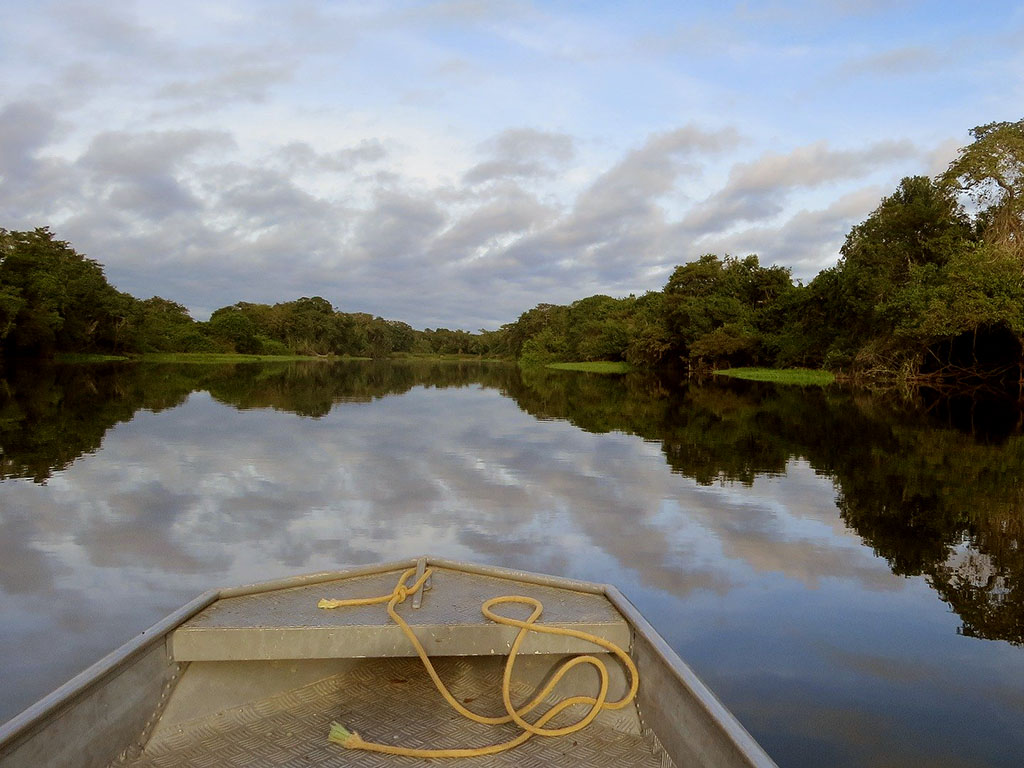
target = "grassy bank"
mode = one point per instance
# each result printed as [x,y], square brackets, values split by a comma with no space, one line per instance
[804,377]
[449,357]
[213,358]
[217,357]
[80,357]
[602,366]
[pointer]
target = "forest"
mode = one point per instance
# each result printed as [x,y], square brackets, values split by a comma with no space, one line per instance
[928,288]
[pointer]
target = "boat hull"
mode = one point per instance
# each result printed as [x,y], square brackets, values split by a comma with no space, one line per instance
[234,678]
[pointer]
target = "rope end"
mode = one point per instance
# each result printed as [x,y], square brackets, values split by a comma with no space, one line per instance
[325,603]
[341,735]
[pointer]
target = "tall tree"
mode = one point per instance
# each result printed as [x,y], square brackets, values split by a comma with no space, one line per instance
[60,300]
[720,310]
[991,172]
[919,225]
[162,325]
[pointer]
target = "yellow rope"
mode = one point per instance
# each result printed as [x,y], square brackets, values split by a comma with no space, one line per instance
[352,740]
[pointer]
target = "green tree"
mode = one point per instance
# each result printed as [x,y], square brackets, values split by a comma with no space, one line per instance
[722,311]
[443,341]
[10,305]
[531,323]
[235,330]
[596,328]
[991,172]
[920,226]
[309,326]
[546,346]
[162,325]
[976,288]
[60,300]
[649,340]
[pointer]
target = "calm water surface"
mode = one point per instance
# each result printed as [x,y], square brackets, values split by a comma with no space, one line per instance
[846,574]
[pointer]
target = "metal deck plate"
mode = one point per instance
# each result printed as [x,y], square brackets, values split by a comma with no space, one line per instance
[390,701]
[286,623]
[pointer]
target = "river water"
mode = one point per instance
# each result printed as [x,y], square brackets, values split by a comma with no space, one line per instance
[845,572]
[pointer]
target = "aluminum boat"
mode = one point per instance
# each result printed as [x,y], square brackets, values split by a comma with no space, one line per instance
[256,676]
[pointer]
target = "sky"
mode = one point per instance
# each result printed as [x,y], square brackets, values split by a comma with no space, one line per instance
[453,164]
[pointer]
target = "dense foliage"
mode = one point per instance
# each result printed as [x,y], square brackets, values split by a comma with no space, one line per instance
[54,298]
[925,288]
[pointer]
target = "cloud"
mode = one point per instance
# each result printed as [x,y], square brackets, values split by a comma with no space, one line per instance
[461,11]
[510,212]
[939,158]
[220,224]
[258,200]
[138,173]
[522,152]
[814,14]
[864,7]
[906,60]
[759,189]
[109,30]
[25,128]
[32,184]
[128,154]
[808,241]
[301,156]
[634,184]
[243,82]
[615,228]
[394,233]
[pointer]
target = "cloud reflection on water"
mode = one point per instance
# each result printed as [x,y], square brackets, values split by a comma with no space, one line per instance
[204,495]
[761,586]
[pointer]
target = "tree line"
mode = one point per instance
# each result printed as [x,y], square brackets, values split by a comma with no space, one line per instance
[929,287]
[53,299]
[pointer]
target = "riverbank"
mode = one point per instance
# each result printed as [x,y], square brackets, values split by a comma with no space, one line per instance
[195,358]
[231,357]
[601,366]
[804,377]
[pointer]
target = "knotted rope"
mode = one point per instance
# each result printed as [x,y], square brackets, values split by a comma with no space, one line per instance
[352,740]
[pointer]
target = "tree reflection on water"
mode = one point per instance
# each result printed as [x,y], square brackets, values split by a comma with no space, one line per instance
[934,487]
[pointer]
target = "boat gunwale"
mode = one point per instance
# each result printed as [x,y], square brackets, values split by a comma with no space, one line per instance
[23,723]
[684,674]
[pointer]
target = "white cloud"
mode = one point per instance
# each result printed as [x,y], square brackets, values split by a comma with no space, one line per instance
[808,241]
[759,189]
[406,157]
[522,152]
[245,82]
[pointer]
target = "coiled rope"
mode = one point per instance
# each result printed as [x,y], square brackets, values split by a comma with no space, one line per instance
[352,740]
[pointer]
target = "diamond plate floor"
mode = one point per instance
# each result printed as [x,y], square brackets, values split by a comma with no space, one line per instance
[391,701]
